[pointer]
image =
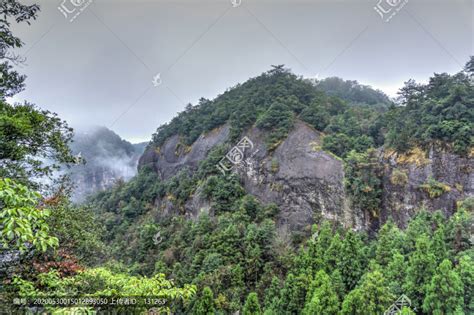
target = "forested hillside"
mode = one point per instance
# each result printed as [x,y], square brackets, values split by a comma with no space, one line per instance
[347,202]
[274,99]
[240,248]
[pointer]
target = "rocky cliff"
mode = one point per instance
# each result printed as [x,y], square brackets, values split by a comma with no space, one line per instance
[307,183]
[435,180]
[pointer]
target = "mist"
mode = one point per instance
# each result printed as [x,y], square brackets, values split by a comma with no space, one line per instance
[100,67]
[106,158]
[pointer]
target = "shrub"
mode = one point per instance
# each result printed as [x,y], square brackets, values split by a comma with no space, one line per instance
[363,180]
[434,188]
[399,177]
[274,165]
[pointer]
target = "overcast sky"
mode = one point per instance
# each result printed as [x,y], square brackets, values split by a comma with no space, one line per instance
[98,69]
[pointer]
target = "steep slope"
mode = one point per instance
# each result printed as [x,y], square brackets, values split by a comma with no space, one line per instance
[298,132]
[261,189]
[436,180]
[308,183]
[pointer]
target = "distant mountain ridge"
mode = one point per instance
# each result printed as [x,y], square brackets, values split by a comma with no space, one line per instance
[353,92]
[107,157]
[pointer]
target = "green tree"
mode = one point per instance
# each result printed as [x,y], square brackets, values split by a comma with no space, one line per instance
[29,137]
[438,245]
[293,294]
[77,229]
[465,269]
[249,205]
[421,267]
[333,255]
[458,231]
[363,181]
[440,111]
[223,191]
[272,294]
[279,120]
[353,91]
[252,307]
[372,297]
[338,284]
[389,241]
[445,293]
[419,225]
[396,270]
[316,115]
[103,282]
[10,81]
[352,260]
[338,143]
[321,297]
[205,304]
[22,219]
[317,247]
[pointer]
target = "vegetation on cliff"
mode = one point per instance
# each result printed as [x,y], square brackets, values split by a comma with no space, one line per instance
[236,257]
[240,259]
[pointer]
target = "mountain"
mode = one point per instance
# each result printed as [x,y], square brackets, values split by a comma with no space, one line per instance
[306,182]
[305,140]
[278,186]
[353,92]
[107,159]
[331,154]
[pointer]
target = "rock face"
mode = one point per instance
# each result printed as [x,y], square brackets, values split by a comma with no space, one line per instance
[401,199]
[304,181]
[307,183]
[173,156]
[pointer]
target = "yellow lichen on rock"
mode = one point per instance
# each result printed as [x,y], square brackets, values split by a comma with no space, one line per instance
[315,146]
[414,156]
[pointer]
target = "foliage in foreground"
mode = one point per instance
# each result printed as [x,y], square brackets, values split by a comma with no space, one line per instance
[33,143]
[23,219]
[101,282]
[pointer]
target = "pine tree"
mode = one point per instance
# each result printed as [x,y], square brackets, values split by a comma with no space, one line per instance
[372,297]
[389,240]
[459,231]
[318,247]
[205,305]
[351,262]
[252,307]
[321,297]
[438,245]
[338,284]
[395,273]
[332,255]
[272,294]
[445,293]
[419,225]
[465,269]
[293,294]
[421,266]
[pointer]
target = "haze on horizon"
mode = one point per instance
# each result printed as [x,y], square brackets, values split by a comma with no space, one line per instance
[99,69]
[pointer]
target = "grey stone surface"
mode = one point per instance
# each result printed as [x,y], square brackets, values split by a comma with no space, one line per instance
[307,183]
[173,156]
[401,202]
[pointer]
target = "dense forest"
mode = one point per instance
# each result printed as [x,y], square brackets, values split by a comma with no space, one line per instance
[237,258]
